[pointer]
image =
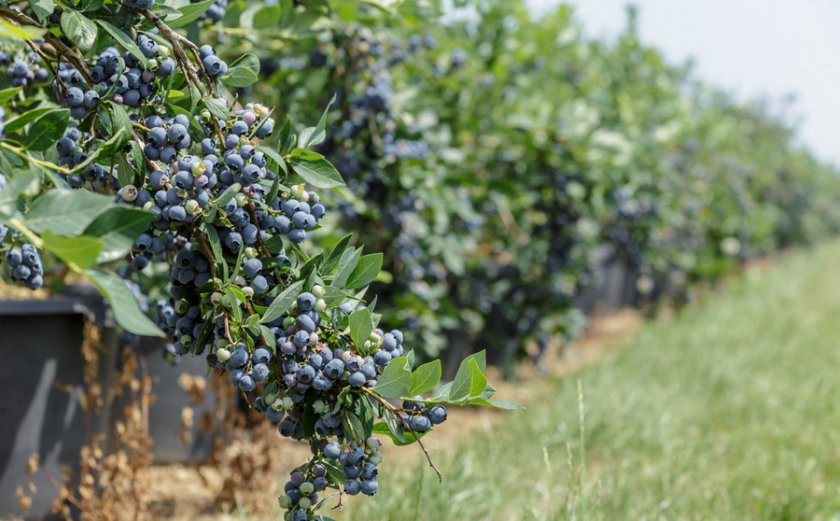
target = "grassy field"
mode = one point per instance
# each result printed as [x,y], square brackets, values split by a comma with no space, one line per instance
[729,411]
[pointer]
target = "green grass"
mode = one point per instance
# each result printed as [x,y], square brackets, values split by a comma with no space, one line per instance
[729,411]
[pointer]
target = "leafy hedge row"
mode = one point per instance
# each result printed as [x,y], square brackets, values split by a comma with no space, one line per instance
[500,160]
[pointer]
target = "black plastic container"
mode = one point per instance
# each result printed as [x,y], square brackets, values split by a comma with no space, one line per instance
[41,382]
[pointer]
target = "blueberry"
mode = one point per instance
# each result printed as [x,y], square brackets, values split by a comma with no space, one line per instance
[259,372]
[332,450]
[176,133]
[352,487]
[357,379]
[382,357]
[419,423]
[259,284]
[334,369]
[437,414]
[247,383]
[297,235]
[305,374]
[214,66]
[305,323]
[261,355]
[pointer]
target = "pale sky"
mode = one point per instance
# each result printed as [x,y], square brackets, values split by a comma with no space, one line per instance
[754,48]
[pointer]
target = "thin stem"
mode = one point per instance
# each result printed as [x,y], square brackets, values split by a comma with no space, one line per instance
[396,412]
[39,162]
[26,232]
[52,39]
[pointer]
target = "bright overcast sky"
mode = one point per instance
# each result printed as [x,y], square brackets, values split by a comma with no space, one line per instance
[751,47]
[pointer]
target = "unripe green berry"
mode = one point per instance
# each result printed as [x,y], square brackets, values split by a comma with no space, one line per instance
[304,503]
[306,488]
[128,193]
[320,305]
[318,290]
[192,207]
[223,354]
[319,406]
[216,298]
[285,502]
[248,291]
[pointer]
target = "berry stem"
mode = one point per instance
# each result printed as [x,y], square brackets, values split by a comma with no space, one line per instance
[396,412]
[39,162]
[52,39]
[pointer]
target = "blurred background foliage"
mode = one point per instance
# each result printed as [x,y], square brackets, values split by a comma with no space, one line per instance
[501,162]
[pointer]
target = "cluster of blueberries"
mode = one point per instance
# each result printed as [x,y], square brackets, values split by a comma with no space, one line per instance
[24,71]
[122,75]
[359,464]
[25,265]
[138,5]
[421,417]
[70,154]
[216,11]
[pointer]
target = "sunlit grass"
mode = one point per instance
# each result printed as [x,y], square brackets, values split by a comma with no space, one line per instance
[730,411]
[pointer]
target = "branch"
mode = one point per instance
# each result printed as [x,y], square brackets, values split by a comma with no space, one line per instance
[396,412]
[59,46]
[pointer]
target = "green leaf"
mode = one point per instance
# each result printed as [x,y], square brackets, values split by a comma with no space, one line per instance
[361,326]
[216,246]
[19,32]
[21,182]
[7,94]
[395,381]
[266,17]
[81,251]
[120,122]
[123,304]
[47,129]
[65,211]
[282,302]
[333,296]
[26,118]
[346,265]
[78,28]
[392,428]
[125,41]
[119,227]
[312,136]
[497,404]
[274,156]
[335,254]
[217,107]
[365,271]
[468,382]
[228,195]
[42,8]
[268,337]
[249,61]
[238,77]
[190,13]
[425,378]
[320,173]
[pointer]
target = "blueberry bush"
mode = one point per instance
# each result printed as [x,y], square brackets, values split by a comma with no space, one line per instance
[132,158]
[502,161]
